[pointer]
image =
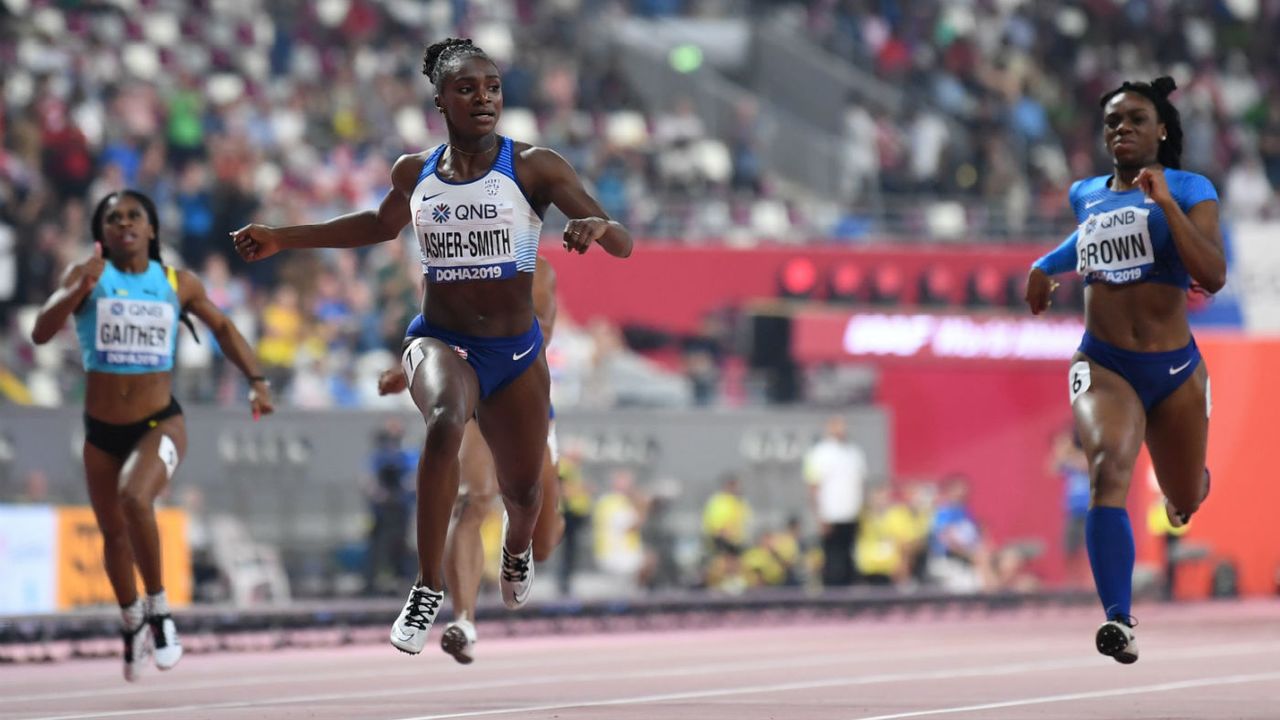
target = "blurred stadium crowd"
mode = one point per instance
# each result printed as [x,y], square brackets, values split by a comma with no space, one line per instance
[228,112]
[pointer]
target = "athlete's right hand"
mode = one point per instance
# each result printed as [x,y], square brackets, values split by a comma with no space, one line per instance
[256,242]
[1040,289]
[392,381]
[91,269]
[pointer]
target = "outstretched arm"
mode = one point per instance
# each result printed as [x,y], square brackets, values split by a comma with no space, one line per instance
[367,227]
[191,294]
[1040,283]
[556,182]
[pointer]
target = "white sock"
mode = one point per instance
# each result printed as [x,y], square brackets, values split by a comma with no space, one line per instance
[158,604]
[132,615]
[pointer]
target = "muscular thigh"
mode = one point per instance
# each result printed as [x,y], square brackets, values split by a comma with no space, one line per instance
[1178,431]
[440,382]
[514,422]
[156,456]
[1108,415]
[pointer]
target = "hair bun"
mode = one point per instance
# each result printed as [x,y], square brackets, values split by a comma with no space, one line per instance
[1164,85]
[435,51]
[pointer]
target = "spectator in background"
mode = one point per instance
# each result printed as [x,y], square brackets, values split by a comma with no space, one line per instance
[836,472]
[778,559]
[390,494]
[1068,462]
[725,520]
[889,539]
[659,537]
[919,510]
[281,338]
[959,557]
[575,501]
[617,519]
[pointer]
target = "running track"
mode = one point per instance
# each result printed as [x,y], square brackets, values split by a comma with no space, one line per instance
[1204,661]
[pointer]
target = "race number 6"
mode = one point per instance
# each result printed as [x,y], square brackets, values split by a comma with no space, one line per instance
[1080,379]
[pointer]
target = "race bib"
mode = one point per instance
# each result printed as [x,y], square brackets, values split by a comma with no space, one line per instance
[1115,246]
[1079,378]
[467,241]
[134,332]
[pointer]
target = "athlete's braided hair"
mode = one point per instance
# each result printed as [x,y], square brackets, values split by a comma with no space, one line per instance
[100,213]
[1158,92]
[442,57]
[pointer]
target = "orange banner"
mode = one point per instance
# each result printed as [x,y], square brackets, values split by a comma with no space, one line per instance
[1237,523]
[82,578]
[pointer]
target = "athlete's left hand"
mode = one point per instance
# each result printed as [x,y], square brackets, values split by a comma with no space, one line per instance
[260,399]
[581,232]
[1154,185]
[392,381]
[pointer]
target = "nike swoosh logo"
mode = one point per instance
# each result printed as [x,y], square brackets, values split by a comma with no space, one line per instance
[1091,204]
[526,352]
[428,197]
[1180,368]
[405,636]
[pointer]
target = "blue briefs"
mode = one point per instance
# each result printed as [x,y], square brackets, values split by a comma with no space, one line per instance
[496,360]
[1153,375]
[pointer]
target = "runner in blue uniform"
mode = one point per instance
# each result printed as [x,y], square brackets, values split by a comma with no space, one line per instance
[1146,232]
[476,205]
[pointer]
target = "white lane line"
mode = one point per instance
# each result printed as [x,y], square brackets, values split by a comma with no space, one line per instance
[852,656]
[1068,697]
[978,671]
[856,655]
[1005,669]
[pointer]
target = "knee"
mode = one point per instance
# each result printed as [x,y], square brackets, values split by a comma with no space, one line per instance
[528,497]
[444,429]
[1109,475]
[1187,497]
[473,508]
[135,502]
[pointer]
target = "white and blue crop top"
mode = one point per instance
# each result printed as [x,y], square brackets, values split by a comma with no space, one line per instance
[1123,237]
[129,323]
[485,229]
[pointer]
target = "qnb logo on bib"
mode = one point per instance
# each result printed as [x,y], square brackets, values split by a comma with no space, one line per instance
[1115,246]
[134,332]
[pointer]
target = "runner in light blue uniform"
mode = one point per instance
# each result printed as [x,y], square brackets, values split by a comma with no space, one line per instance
[126,307]
[1146,233]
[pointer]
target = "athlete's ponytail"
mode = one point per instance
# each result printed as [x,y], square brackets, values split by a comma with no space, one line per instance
[1158,92]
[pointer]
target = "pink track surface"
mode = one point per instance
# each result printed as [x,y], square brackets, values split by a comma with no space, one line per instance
[1206,661]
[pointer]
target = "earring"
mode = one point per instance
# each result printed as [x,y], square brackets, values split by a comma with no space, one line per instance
[1163,138]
